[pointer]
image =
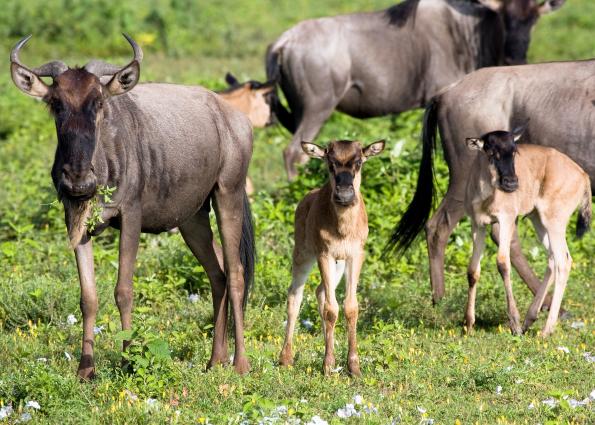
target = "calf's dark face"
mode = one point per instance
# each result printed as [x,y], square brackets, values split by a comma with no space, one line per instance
[75,100]
[500,149]
[344,159]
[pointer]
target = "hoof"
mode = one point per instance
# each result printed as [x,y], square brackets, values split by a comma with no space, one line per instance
[353,367]
[86,374]
[328,365]
[241,365]
[286,357]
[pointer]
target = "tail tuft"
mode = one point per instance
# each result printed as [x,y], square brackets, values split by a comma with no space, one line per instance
[274,73]
[247,249]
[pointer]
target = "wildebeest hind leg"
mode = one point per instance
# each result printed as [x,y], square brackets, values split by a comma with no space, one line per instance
[229,209]
[198,236]
[438,229]
[308,128]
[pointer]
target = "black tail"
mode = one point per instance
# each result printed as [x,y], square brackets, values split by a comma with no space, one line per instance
[583,221]
[273,69]
[418,211]
[247,249]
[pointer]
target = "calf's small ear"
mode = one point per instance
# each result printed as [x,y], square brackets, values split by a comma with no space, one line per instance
[374,149]
[231,80]
[313,150]
[550,6]
[474,143]
[124,80]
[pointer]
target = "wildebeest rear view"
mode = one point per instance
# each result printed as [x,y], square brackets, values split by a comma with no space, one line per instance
[380,63]
[557,98]
[168,150]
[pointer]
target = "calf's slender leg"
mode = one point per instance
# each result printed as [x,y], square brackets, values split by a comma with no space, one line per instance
[327,267]
[520,263]
[540,296]
[473,272]
[84,262]
[129,239]
[230,208]
[339,269]
[354,266]
[562,264]
[300,271]
[198,236]
[503,262]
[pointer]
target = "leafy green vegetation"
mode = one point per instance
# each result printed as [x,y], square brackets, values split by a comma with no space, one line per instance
[416,363]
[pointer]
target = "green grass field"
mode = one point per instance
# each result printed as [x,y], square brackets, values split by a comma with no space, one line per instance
[418,367]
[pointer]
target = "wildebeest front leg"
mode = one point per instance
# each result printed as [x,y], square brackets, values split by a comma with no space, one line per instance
[503,262]
[327,268]
[84,261]
[229,217]
[473,272]
[353,269]
[129,239]
[198,236]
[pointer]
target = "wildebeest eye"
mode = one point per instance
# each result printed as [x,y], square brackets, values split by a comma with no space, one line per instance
[358,163]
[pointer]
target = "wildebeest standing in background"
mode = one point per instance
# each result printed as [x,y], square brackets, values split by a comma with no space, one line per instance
[559,100]
[251,98]
[387,62]
[168,150]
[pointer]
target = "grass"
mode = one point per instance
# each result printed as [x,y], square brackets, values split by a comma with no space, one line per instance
[416,362]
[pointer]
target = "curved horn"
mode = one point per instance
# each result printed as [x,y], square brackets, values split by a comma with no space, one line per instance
[101,68]
[50,69]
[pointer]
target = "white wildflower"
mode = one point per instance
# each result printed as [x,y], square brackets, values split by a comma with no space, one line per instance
[71,320]
[428,421]
[33,405]
[563,349]
[577,325]
[337,369]
[534,252]
[193,298]
[98,329]
[42,360]
[370,409]
[508,368]
[130,395]
[519,381]
[531,406]
[317,420]
[358,399]
[25,417]
[307,324]
[348,411]
[589,358]
[578,403]
[592,395]
[5,411]
[151,402]
[421,410]
[499,390]
[459,242]
[303,400]
[67,355]
[528,362]
[550,402]
[397,148]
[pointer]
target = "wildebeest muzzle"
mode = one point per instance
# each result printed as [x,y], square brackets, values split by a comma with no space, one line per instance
[344,193]
[78,183]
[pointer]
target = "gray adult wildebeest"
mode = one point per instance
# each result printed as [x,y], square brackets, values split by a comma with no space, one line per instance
[559,100]
[168,149]
[387,62]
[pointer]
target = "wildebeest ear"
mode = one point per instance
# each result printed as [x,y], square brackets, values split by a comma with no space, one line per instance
[474,143]
[313,150]
[550,5]
[231,80]
[495,5]
[124,80]
[518,131]
[374,149]
[28,81]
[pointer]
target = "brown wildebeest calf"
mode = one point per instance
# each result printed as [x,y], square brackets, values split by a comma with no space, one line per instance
[510,180]
[331,227]
[251,98]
